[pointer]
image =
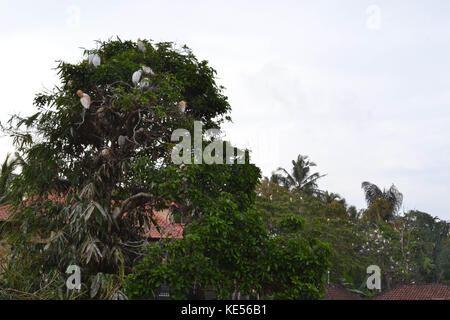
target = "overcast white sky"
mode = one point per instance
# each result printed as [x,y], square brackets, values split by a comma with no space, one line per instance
[362,87]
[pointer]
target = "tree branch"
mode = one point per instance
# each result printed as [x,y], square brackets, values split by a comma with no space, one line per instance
[136,196]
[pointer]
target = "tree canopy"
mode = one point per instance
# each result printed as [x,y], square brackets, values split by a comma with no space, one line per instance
[96,165]
[384,204]
[301,178]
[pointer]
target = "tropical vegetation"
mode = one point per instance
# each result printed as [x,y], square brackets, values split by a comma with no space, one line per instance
[88,176]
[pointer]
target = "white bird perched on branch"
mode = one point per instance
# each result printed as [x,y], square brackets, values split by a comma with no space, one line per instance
[182,106]
[85,99]
[141,45]
[147,70]
[145,83]
[136,77]
[94,59]
[105,152]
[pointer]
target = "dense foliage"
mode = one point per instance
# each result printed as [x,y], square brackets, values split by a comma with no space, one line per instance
[95,165]
[83,168]
[412,247]
[87,178]
[229,252]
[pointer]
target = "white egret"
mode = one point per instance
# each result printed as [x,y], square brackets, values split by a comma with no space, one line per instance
[145,83]
[85,99]
[136,77]
[105,152]
[141,45]
[147,70]
[182,106]
[94,59]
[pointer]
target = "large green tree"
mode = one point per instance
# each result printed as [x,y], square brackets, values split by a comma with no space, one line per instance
[81,161]
[98,161]
[324,218]
[231,252]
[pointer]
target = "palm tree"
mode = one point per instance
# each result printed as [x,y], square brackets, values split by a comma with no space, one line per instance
[329,197]
[393,197]
[300,179]
[6,175]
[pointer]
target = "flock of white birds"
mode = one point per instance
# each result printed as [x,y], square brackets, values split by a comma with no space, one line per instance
[136,78]
[138,81]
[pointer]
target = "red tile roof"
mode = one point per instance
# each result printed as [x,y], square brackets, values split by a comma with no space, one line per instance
[4,213]
[336,292]
[166,228]
[417,292]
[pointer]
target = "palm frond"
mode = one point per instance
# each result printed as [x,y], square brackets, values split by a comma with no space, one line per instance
[285,179]
[7,173]
[300,178]
[395,198]
[371,192]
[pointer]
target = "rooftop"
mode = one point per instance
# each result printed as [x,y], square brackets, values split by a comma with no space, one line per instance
[336,292]
[416,292]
